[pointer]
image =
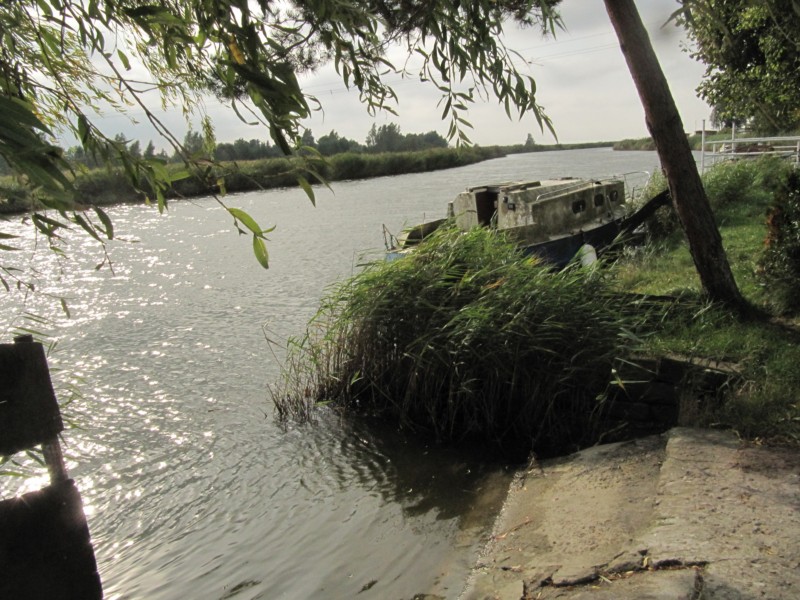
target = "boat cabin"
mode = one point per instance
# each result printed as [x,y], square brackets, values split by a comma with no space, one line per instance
[538,211]
[550,218]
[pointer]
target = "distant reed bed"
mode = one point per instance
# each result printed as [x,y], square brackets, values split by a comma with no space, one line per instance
[111,185]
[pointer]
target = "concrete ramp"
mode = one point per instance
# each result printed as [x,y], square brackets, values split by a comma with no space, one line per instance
[688,514]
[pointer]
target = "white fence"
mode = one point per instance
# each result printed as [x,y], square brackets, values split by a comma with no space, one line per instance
[735,148]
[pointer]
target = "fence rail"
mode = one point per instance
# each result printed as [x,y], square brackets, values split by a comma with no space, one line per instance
[714,151]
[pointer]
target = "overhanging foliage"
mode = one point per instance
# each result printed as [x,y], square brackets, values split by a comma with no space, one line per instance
[60,59]
[752,55]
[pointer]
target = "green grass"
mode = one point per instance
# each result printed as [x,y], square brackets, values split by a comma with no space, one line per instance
[765,353]
[765,350]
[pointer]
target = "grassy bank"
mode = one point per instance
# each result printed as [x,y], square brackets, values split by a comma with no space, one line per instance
[108,186]
[465,338]
[765,351]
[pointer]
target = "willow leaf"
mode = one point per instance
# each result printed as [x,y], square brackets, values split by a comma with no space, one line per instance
[260,250]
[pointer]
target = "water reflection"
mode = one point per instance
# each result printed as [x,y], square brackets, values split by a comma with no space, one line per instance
[417,509]
[193,490]
[424,477]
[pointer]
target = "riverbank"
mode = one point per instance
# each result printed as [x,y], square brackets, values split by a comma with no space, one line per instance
[108,186]
[111,185]
[691,513]
[647,144]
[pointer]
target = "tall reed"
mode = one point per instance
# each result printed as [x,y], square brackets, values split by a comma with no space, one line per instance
[465,338]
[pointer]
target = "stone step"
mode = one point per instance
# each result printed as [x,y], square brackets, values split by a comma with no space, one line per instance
[688,514]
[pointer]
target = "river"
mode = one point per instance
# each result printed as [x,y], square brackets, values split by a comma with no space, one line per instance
[190,487]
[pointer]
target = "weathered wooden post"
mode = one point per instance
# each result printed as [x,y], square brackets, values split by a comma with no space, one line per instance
[45,548]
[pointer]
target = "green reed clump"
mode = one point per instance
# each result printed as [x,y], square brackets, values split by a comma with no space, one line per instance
[349,165]
[465,338]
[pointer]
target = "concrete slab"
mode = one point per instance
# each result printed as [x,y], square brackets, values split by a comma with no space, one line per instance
[689,514]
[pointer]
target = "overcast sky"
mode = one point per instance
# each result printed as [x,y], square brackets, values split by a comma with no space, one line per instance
[582,82]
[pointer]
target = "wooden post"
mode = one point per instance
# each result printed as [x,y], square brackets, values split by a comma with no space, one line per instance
[54,460]
[45,545]
[51,449]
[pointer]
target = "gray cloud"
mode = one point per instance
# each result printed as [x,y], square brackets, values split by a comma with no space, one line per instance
[582,81]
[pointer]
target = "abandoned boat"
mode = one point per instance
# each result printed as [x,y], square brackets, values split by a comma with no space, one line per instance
[552,219]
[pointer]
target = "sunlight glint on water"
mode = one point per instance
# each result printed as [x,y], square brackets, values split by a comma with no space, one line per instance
[190,488]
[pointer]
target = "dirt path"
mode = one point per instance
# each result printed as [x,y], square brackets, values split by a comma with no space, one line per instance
[690,514]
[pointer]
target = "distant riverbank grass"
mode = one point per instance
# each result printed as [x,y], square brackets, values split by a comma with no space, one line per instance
[110,185]
[282,172]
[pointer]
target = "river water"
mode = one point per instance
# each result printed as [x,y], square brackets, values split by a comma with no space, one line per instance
[190,488]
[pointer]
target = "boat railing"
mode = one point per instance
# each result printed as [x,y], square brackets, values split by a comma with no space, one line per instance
[635,184]
[634,181]
[566,189]
[390,240]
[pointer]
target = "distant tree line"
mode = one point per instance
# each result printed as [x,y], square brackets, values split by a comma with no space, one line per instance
[386,138]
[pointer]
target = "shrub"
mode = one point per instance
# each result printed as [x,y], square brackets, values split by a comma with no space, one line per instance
[779,266]
[727,184]
[465,338]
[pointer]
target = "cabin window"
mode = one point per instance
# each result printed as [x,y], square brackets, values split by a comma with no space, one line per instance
[599,199]
[614,195]
[578,206]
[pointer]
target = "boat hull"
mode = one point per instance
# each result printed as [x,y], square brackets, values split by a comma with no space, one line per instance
[560,251]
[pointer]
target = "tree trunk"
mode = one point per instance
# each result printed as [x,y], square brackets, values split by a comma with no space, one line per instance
[688,196]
